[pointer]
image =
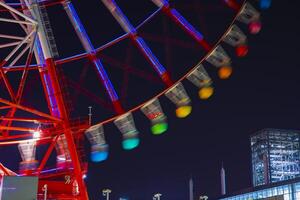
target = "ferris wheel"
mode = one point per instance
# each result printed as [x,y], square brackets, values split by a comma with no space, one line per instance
[40,86]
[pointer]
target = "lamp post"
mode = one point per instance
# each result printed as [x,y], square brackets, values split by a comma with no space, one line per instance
[157,196]
[106,193]
[90,115]
[203,197]
[45,190]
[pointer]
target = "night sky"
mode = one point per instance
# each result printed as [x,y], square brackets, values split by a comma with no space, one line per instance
[262,93]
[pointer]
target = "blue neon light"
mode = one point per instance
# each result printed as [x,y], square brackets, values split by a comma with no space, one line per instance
[89,47]
[47,80]
[79,27]
[106,82]
[160,69]
[127,26]
[187,25]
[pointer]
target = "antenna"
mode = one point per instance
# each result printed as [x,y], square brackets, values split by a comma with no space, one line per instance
[90,115]
[157,196]
[106,193]
[223,180]
[191,188]
[45,190]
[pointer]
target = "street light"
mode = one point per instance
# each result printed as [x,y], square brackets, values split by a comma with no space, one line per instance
[157,196]
[203,197]
[106,193]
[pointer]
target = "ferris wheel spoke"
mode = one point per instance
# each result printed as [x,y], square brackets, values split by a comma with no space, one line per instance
[124,87]
[182,22]
[138,41]
[232,4]
[84,39]
[170,40]
[167,48]
[133,70]
[89,94]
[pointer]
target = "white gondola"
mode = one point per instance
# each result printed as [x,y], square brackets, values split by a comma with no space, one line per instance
[250,16]
[99,148]
[200,78]
[236,38]
[180,98]
[154,113]
[125,124]
[220,59]
[27,151]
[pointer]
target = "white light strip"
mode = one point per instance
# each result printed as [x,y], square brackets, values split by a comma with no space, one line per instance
[33,22]
[17,47]
[11,37]
[20,55]
[9,45]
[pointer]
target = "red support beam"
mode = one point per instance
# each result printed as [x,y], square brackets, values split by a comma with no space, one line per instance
[30,110]
[11,128]
[92,96]
[6,82]
[47,155]
[66,126]
[5,107]
[232,4]
[13,137]
[130,69]
[33,120]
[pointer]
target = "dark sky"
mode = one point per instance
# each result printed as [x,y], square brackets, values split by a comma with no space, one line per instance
[262,93]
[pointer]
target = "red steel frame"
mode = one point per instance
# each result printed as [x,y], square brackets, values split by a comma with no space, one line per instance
[62,122]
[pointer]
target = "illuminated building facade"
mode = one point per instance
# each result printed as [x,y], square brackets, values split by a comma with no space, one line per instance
[275,156]
[285,190]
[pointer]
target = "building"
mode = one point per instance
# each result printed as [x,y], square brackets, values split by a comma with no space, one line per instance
[284,190]
[275,156]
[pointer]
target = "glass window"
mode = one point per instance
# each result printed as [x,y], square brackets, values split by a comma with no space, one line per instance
[259,194]
[287,197]
[297,187]
[274,191]
[286,189]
